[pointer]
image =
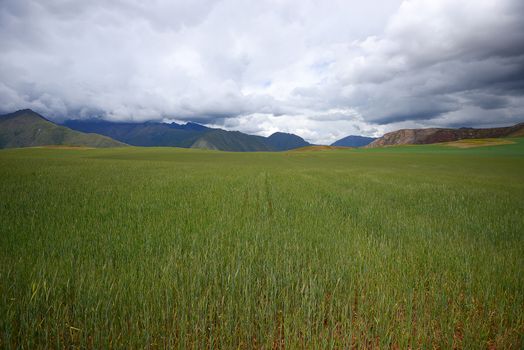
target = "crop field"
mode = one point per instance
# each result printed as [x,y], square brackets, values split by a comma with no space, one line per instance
[394,248]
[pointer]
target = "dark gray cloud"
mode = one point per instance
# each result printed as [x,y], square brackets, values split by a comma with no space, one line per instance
[441,57]
[319,69]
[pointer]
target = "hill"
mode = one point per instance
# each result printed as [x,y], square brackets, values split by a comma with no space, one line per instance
[437,135]
[354,141]
[283,141]
[234,141]
[190,135]
[26,128]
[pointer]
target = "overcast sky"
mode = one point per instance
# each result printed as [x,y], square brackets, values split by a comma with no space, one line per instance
[320,69]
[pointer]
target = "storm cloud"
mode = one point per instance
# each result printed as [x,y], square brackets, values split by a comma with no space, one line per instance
[322,70]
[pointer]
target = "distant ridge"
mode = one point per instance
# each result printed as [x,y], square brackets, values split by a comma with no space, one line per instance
[436,135]
[354,141]
[234,141]
[190,135]
[26,128]
[143,134]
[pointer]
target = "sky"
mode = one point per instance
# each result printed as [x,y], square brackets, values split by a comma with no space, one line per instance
[320,69]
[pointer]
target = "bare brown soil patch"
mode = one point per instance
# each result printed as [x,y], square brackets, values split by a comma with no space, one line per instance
[472,143]
[318,148]
[65,147]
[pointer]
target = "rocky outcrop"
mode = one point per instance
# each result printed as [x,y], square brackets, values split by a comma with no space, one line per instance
[436,135]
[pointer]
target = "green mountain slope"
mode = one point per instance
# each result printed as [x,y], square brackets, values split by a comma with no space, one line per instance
[26,128]
[234,141]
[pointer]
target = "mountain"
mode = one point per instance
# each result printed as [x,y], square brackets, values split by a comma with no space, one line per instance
[231,141]
[435,135]
[190,135]
[283,141]
[26,128]
[143,134]
[353,141]
[236,141]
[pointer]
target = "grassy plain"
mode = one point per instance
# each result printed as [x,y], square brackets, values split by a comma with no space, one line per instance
[403,247]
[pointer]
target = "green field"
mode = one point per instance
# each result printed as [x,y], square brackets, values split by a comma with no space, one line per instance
[417,246]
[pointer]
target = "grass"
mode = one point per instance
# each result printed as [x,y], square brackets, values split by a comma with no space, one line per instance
[403,247]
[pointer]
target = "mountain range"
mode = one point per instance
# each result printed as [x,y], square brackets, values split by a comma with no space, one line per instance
[190,135]
[26,128]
